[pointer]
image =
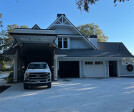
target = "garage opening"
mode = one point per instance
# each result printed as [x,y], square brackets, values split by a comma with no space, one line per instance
[112,68]
[35,53]
[69,69]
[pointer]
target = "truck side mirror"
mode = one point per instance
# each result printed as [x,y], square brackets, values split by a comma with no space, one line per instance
[52,67]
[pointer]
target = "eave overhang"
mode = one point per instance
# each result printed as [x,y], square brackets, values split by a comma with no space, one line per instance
[33,37]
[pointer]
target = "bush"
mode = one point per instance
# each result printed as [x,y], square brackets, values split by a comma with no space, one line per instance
[2,65]
[10,77]
[6,69]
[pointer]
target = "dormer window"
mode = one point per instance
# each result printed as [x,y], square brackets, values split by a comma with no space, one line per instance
[63,43]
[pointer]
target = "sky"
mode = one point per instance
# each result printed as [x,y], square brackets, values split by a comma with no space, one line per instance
[116,22]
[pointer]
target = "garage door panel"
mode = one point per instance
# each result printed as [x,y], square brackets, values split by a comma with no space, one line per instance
[94,70]
[69,69]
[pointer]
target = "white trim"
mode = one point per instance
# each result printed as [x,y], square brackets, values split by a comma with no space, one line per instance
[83,67]
[15,45]
[55,69]
[118,68]
[80,69]
[68,42]
[89,43]
[105,65]
[108,67]
[15,68]
[127,75]
[75,30]
[75,36]
[105,58]
[62,43]
[54,22]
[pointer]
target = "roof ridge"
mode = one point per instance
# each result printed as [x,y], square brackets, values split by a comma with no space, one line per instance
[109,42]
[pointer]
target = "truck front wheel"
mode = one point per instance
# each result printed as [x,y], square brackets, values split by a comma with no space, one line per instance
[49,85]
[25,86]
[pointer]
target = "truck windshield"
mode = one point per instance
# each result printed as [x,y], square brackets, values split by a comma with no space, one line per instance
[37,66]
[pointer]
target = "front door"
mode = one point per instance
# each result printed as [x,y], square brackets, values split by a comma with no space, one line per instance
[112,68]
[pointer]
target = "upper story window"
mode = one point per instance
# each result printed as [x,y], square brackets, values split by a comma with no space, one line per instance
[63,43]
[60,42]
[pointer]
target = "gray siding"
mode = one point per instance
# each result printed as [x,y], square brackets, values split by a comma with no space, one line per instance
[77,44]
[124,71]
[63,30]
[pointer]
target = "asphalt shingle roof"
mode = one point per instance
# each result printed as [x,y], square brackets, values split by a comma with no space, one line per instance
[10,51]
[105,49]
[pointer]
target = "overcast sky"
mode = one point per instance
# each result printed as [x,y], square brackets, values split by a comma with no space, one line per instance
[116,22]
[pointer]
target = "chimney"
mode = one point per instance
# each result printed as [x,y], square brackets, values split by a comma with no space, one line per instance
[93,40]
[58,15]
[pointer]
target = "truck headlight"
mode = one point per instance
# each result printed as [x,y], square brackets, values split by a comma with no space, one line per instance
[48,73]
[27,74]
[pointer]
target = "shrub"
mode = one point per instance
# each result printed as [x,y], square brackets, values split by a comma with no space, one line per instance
[6,69]
[2,65]
[10,77]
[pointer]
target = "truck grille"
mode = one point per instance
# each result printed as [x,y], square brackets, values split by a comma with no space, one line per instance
[39,76]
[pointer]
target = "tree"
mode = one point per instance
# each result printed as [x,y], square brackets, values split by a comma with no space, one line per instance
[85,3]
[2,65]
[9,39]
[4,35]
[92,29]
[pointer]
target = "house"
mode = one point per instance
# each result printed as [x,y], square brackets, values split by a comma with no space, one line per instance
[62,45]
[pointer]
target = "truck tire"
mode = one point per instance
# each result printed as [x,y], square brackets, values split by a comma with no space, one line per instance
[49,85]
[25,86]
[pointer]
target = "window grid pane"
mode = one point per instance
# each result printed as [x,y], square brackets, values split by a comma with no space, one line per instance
[60,42]
[65,43]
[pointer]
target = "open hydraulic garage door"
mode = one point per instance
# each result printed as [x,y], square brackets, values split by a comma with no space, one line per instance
[69,69]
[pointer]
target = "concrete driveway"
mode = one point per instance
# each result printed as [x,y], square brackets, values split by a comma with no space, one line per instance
[76,95]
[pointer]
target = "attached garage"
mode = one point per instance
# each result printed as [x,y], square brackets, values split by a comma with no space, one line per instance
[69,69]
[94,69]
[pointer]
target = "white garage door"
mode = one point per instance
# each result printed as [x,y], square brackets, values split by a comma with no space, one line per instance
[94,69]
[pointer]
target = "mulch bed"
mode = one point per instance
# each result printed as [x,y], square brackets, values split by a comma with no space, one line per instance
[3,88]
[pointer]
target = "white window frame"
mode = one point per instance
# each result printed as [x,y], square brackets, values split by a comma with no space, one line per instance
[68,43]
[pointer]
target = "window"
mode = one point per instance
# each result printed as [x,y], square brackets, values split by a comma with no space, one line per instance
[98,62]
[88,63]
[60,42]
[63,43]
[37,66]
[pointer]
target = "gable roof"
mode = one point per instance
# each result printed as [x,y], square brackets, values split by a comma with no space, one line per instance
[63,20]
[105,49]
[35,27]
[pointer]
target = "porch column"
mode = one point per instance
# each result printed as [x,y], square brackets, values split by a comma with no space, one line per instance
[105,68]
[118,68]
[55,68]
[15,69]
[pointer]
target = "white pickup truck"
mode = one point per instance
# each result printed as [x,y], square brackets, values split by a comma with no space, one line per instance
[37,74]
